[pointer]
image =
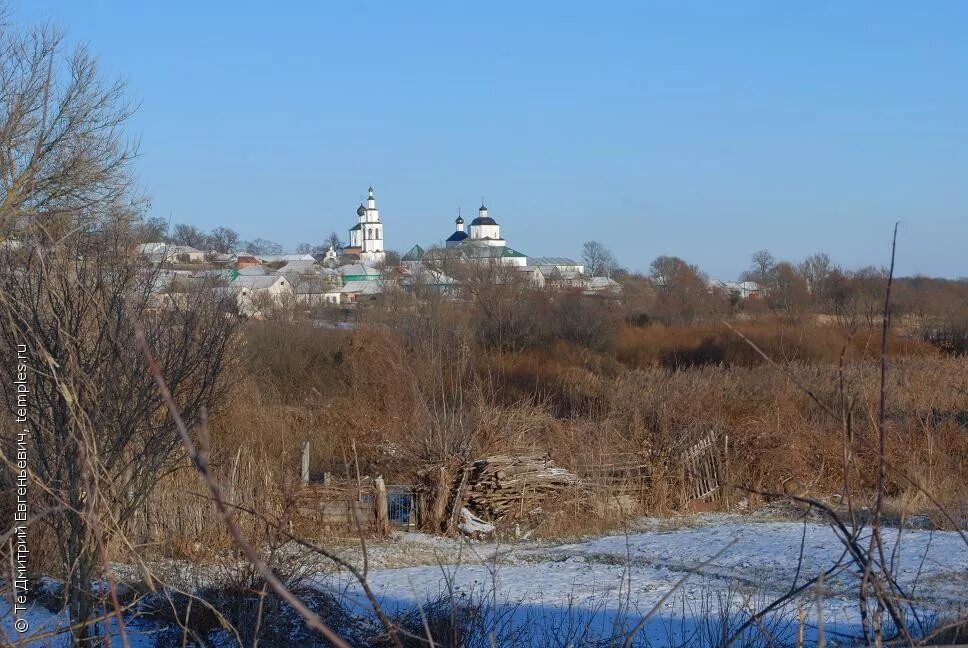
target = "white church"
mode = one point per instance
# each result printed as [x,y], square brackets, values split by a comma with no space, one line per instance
[366,237]
[481,243]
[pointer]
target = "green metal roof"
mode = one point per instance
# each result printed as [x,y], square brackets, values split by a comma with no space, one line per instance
[508,252]
[415,254]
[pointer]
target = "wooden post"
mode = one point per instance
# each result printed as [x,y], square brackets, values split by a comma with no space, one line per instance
[381,506]
[458,501]
[305,463]
[441,492]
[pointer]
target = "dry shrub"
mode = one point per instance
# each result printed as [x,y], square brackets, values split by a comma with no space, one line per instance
[678,347]
[779,438]
[255,460]
[395,398]
[295,358]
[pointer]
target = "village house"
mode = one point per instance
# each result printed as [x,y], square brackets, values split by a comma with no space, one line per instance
[354,291]
[219,259]
[246,261]
[358,272]
[419,277]
[159,253]
[185,254]
[602,287]
[254,293]
[154,252]
[739,289]
[317,289]
[299,266]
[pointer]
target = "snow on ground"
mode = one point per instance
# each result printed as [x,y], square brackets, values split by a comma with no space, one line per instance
[597,577]
[47,630]
[598,586]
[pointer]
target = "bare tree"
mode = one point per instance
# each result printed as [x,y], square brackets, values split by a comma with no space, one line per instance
[97,442]
[153,230]
[599,260]
[816,270]
[333,241]
[62,154]
[95,428]
[509,314]
[304,248]
[786,290]
[583,320]
[682,291]
[842,298]
[263,247]
[224,240]
[867,285]
[762,262]
[189,235]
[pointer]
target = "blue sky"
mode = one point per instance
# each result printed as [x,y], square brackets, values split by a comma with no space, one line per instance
[706,130]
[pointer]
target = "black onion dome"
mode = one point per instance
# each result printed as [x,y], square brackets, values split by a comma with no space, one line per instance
[361,210]
[459,221]
[483,220]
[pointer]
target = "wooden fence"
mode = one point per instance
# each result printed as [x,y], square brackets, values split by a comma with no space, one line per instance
[610,482]
[702,467]
[341,507]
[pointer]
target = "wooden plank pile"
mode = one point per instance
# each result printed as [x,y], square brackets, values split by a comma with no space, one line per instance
[503,486]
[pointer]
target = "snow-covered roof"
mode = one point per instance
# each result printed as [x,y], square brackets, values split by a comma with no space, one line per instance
[276,258]
[738,286]
[362,287]
[175,250]
[602,284]
[427,276]
[311,284]
[252,271]
[567,275]
[358,269]
[257,282]
[299,265]
[555,261]
[152,248]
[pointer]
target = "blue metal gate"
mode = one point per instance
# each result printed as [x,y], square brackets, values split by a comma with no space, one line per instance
[403,507]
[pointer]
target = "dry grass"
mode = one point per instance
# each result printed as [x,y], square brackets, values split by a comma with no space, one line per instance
[381,401]
[688,346]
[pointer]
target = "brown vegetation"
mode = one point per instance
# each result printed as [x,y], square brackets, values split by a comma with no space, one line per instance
[418,389]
